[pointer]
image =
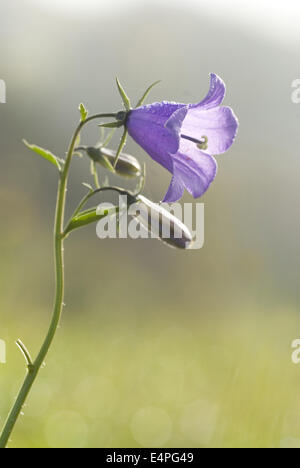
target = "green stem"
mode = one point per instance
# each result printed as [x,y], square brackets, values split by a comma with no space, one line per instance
[33,369]
[25,352]
[95,174]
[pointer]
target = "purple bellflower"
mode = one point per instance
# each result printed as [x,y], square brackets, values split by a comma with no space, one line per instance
[183,138]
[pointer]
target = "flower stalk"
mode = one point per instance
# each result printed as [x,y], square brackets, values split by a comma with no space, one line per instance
[34,367]
[181,137]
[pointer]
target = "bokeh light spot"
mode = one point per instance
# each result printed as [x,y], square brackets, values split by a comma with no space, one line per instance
[151,427]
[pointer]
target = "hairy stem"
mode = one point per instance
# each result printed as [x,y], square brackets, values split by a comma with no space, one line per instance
[33,369]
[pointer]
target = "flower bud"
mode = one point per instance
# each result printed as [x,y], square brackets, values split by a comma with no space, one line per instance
[127,165]
[162,224]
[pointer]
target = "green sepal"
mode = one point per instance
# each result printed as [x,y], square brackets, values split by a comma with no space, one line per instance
[121,146]
[124,96]
[107,164]
[45,154]
[88,186]
[141,101]
[111,124]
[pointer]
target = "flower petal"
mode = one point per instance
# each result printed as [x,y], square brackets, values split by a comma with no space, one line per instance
[175,191]
[215,94]
[218,124]
[158,112]
[194,169]
[174,123]
[149,127]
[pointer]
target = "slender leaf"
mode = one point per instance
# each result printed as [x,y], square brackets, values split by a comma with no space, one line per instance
[44,154]
[83,112]
[88,217]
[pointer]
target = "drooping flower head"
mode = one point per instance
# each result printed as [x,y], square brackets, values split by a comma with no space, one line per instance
[184,137]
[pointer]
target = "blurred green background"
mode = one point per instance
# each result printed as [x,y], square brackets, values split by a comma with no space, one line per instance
[157,347]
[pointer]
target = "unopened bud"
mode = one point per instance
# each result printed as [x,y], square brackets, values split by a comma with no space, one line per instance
[127,165]
[162,224]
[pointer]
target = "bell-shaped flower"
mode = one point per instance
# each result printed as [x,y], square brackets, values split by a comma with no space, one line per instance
[184,137]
